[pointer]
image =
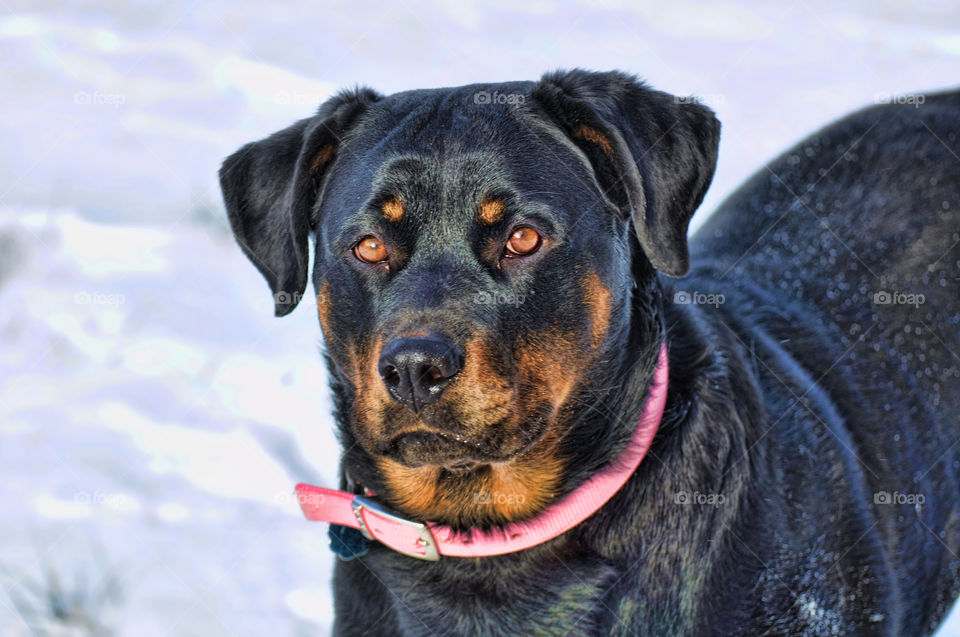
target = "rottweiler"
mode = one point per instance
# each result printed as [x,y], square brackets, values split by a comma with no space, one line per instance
[502,270]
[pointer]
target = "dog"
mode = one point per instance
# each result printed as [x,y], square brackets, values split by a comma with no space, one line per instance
[502,274]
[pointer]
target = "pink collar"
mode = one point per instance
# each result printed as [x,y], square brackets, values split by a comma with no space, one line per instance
[429,541]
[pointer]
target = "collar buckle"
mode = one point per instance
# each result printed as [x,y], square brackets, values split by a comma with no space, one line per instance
[379,523]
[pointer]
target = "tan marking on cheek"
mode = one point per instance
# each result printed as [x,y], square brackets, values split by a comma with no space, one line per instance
[481,393]
[594,136]
[392,210]
[597,298]
[325,312]
[371,396]
[323,309]
[490,211]
[374,385]
[353,362]
[549,365]
[324,157]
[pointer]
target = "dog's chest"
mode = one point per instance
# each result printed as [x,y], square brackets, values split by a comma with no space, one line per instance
[557,596]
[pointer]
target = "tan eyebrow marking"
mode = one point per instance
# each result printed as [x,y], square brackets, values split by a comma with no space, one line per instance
[595,136]
[490,211]
[392,210]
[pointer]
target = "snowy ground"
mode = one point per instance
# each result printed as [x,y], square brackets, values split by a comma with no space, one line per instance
[153,414]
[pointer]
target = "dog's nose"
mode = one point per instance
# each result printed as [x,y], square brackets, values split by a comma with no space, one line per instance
[417,370]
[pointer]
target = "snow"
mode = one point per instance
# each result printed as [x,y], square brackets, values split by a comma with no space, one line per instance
[817,619]
[167,426]
[154,416]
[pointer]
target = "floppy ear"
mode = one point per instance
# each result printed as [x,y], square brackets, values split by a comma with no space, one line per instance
[653,154]
[270,187]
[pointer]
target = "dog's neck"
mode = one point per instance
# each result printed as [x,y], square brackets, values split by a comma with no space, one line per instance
[608,410]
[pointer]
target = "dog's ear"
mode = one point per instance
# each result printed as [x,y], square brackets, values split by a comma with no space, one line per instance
[270,187]
[653,154]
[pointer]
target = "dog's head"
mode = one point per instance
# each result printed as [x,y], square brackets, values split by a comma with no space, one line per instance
[476,253]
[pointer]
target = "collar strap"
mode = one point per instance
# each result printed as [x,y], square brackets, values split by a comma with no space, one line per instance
[429,541]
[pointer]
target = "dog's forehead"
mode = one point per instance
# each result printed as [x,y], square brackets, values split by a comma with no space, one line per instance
[466,113]
[445,124]
[456,147]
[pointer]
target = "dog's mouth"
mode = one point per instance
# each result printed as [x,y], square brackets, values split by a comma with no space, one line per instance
[432,448]
[455,446]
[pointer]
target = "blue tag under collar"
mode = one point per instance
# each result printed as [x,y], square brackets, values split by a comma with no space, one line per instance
[347,543]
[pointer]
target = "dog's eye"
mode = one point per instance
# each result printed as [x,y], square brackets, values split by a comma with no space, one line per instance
[523,242]
[370,250]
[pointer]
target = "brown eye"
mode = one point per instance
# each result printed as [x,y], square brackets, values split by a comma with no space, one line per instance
[523,242]
[370,250]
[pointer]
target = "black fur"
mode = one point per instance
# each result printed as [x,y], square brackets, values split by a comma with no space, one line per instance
[795,402]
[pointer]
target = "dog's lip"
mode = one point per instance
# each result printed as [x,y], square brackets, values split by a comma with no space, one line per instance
[451,451]
[427,435]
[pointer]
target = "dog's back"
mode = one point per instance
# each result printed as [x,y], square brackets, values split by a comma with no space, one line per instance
[847,250]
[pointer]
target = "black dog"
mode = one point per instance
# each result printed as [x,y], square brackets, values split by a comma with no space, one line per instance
[489,271]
